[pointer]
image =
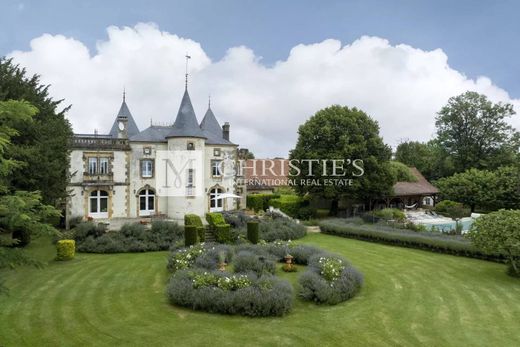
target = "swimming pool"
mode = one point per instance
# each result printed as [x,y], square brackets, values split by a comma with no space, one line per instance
[448,226]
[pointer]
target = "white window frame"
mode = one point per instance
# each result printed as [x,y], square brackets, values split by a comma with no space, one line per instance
[147,168]
[216,168]
[92,166]
[103,165]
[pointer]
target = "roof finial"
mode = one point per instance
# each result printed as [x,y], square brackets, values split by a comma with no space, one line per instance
[124,94]
[209,101]
[187,58]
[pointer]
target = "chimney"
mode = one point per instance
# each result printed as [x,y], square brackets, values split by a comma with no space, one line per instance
[225,131]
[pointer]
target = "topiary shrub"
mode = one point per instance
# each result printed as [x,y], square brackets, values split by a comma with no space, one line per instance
[215,218]
[194,220]
[223,233]
[253,232]
[190,235]
[65,249]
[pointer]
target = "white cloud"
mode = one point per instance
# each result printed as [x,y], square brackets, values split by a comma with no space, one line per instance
[400,86]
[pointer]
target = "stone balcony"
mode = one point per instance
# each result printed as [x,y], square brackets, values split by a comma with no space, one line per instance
[99,142]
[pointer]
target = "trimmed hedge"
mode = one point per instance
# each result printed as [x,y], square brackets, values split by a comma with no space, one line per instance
[65,249]
[252,232]
[223,233]
[196,221]
[435,242]
[215,218]
[190,235]
[260,202]
[218,226]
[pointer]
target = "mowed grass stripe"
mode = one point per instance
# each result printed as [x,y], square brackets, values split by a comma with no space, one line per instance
[410,298]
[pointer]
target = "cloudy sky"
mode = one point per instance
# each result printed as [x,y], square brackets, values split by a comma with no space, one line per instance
[268,66]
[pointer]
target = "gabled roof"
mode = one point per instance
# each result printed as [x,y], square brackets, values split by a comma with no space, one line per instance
[421,187]
[212,130]
[153,133]
[124,113]
[186,124]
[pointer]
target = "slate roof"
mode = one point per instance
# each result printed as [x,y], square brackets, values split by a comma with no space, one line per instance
[124,113]
[153,133]
[421,187]
[186,124]
[212,130]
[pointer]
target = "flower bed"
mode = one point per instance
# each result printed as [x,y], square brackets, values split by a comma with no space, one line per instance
[251,288]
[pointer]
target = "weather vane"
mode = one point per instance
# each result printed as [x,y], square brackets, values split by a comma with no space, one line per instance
[187,58]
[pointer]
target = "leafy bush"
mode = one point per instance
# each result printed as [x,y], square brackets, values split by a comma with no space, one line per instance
[256,297]
[190,235]
[390,214]
[246,261]
[306,213]
[288,204]
[260,202]
[252,232]
[65,249]
[499,232]
[93,238]
[401,172]
[430,241]
[443,206]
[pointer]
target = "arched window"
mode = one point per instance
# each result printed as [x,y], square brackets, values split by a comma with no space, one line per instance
[216,203]
[146,202]
[98,204]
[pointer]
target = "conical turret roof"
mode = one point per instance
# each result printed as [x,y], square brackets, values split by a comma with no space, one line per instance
[186,124]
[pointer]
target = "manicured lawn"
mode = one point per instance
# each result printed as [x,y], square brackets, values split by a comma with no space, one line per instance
[410,298]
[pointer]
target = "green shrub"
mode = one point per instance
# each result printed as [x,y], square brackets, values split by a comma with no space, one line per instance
[255,202]
[190,235]
[65,249]
[215,218]
[223,233]
[442,206]
[390,214]
[260,202]
[306,213]
[192,219]
[252,232]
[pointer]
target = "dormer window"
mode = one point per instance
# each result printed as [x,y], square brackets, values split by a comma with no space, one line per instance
[191,146]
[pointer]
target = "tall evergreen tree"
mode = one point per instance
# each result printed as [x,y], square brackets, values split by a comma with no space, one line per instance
[42,145]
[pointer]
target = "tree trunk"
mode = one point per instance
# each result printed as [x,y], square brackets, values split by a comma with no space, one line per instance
[334,207]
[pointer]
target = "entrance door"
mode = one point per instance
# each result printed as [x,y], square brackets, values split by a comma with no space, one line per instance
[98,204]
[146,202]
[216,204]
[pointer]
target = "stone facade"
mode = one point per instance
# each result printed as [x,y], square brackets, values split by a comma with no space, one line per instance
[114,175]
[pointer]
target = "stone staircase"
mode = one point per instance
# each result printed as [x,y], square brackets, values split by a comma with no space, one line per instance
[210,237]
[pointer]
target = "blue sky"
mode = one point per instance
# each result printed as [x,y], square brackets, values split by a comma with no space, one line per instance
[479,37]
